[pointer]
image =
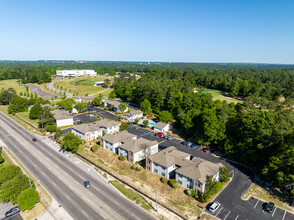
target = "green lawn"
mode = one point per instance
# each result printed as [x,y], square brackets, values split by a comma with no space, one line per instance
[131,194]
[25,116]
[219,95]
[12,83]
[25,125]
[84,87]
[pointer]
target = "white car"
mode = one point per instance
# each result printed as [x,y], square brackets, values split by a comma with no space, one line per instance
[214,207]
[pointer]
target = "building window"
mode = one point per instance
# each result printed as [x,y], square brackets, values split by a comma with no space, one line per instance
[155,170]
[198,184]
[162,174]
[148,168]
[149,161]
[131,160]
[180,182]
[197,191]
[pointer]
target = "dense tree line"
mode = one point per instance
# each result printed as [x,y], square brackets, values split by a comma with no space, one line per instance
[261,138]
[270,81]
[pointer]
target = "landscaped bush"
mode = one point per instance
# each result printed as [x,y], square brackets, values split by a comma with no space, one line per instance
[124,126]
[224,174]
[173,183]
[191,192]
[122,157]
[94,148]
[51,128]
[27,199]
[212,187]
[136,168]
[163,179]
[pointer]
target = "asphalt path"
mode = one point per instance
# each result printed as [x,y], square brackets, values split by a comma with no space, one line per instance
[39,91]
[232,206]
[98,202]
[50,86]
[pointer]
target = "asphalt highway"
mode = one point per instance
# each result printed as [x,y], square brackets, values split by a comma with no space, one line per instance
[64,180]
[232,206]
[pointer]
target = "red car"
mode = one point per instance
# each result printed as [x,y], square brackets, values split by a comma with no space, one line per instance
[206,149]
[159,134]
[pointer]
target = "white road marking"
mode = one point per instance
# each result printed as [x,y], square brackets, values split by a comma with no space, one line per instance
[85,213]
[274,211]
[77,161]
[218,211]
[237,217]
[66,196]
[284,215]
[89,169]
[256,204]
[227,215]
[232,171]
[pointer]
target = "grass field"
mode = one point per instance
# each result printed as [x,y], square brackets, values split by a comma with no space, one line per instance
[25,116]
[84,87]
[12,83]
[219,95]
[25,125]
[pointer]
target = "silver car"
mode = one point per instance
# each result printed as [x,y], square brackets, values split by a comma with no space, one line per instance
[214,207]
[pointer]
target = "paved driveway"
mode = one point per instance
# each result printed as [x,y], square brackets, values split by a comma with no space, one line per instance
[4,207]
[232,206]
[39,91]
[102,113]
[50,86]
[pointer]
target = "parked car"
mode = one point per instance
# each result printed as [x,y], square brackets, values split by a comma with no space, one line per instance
[214,207]
[193,146]
[206,149]
[164,136]
[87,184]
[189,144]
[170,137]
[268,207]
[34,139]
[12,211]
[183,143]
[159,134]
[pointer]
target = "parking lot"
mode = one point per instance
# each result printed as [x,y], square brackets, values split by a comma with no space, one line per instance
[4,207]
[102,113]
[82,118]
[254,209]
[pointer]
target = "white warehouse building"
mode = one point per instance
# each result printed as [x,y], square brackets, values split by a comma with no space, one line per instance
[75,73]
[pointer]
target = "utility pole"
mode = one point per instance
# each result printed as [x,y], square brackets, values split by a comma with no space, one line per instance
[42,122]
[156,200]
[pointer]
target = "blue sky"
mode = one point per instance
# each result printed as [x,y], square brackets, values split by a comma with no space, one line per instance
[260,31]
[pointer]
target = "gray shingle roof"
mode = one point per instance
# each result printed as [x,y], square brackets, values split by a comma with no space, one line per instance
[84,128]
[107,123]
[136,112]
[61,114]
[160,125]
[169,156]
[114,103]
[138,145]
[198,169]
[122,137]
